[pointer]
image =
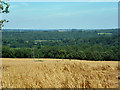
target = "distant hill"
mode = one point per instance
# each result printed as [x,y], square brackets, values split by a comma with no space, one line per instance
[60,30]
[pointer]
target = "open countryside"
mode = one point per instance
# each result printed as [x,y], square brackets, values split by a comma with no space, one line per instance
[74,44]
[58,73]
[55,60]
[59,45]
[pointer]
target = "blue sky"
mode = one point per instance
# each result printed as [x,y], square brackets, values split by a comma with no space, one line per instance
[62,15]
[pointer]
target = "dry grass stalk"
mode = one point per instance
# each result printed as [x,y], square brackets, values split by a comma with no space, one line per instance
[26,73]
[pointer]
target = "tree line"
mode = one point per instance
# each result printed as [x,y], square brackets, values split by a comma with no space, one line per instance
[84,52]
[97,47]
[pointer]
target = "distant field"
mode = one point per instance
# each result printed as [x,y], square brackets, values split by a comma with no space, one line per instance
[36,41]
[104,33]
[58,73]
[40,40]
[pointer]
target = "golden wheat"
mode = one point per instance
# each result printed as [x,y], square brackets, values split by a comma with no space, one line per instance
[26,73]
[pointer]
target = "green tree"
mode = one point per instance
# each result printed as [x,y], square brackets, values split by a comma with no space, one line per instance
[81,55]
[7,52]
[62,53]
[97,55]
[3,9]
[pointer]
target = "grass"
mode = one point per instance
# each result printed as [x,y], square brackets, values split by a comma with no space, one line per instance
[53,73]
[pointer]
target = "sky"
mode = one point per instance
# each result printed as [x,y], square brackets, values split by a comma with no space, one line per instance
[62,15]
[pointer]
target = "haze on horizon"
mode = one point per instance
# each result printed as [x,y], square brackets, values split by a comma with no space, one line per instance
[62,15]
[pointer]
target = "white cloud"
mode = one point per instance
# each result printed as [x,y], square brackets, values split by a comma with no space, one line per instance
[14,6]
[24,4]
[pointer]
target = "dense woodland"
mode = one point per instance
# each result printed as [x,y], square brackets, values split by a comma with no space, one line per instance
[69,44]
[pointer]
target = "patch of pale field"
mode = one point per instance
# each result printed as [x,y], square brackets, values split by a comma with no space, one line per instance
[58,73]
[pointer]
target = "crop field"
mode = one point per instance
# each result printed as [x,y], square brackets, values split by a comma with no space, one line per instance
[104,33]
[58,73]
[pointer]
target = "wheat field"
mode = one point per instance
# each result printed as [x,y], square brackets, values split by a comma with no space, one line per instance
[58,73]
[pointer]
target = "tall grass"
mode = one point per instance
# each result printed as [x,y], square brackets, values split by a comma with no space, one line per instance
[58,74]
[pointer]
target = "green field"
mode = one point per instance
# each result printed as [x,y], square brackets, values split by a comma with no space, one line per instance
[104,33]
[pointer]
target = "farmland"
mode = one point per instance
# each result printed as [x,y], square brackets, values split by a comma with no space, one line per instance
[75,44]
[104,33]
[59,45]
[68,59]
[58,73]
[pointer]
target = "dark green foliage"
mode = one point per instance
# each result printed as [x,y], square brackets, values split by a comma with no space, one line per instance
[83,45]
[7,52]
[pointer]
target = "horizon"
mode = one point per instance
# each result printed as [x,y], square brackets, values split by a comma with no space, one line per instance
[62,29]
[62,15]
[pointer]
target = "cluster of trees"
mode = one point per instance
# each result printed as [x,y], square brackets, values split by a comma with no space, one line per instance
[84,52]
[98,47]
[28,39]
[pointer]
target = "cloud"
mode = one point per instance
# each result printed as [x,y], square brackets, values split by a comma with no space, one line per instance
[14,6]
[17,5]
[82,12]
[25,4]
